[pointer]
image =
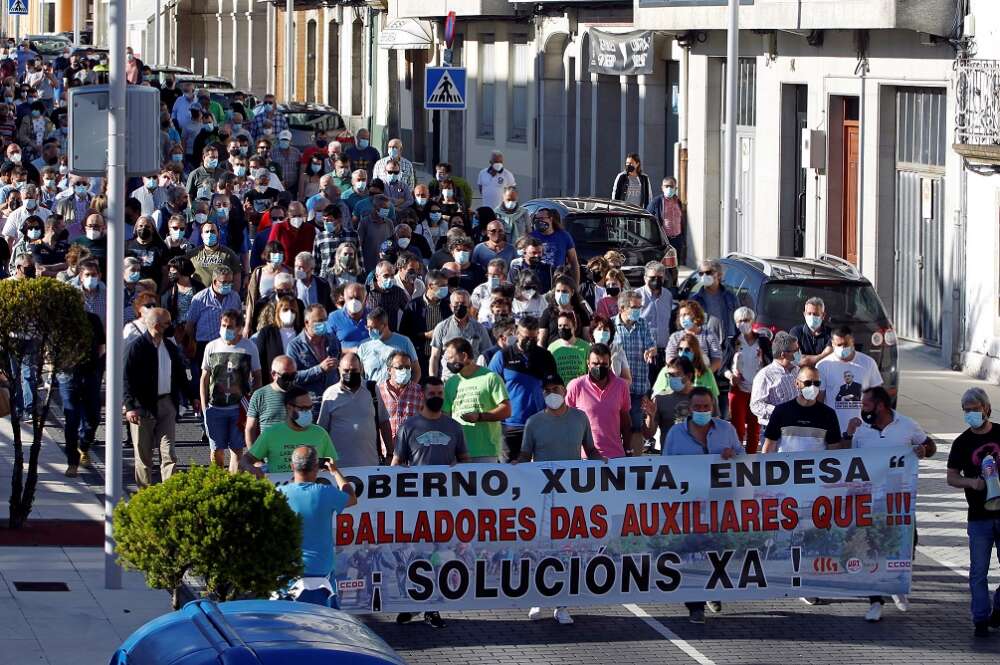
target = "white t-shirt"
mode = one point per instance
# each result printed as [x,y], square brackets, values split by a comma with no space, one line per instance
[747,362]
[844,381]
[902,431]
[492,185]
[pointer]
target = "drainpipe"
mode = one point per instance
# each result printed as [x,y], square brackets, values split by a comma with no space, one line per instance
[682,139]
[372,45]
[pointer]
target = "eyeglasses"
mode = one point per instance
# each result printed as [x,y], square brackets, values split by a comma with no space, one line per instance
[392,172]
[705,272]
[816,383]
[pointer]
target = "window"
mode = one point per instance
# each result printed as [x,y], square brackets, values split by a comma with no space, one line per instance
[746,85]
[48,16]
[487,88]
[520,63]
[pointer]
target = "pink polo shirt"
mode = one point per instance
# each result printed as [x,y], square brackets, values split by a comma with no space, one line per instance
[603,409]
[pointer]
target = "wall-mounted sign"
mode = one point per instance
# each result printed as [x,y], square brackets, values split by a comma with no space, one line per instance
[621,53]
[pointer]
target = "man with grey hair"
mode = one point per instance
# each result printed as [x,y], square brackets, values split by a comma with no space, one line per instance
[636,338]
[29,207]
[720,305]
[310,289]
[515,219]
[743,356]
[459,324]
[775,383]
[374,228]
[317,505]
[493,180]
[815,335]
[967,471]
[657,310]
[348,413]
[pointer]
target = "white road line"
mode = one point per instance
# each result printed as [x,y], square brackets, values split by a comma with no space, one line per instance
[669,634]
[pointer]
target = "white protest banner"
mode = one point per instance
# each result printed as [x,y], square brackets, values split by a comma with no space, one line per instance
[643,530]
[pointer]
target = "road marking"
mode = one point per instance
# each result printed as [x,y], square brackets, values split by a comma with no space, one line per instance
[668,634]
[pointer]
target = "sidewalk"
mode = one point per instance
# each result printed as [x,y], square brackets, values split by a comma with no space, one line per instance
[84,623]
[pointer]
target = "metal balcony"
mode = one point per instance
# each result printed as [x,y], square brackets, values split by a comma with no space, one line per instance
[977,109]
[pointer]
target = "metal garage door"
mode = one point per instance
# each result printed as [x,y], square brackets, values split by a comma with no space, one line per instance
[919,225]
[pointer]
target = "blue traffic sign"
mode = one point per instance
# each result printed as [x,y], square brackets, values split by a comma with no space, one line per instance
[444,89]
[17,7]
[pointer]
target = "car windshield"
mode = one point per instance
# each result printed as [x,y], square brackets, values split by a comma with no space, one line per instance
[314,121]
[846,303]
[624,230]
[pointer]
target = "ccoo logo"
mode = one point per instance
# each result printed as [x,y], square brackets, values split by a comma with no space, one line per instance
[825,564]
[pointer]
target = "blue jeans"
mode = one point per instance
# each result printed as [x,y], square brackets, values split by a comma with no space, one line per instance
[222,428]
[984,536]
[80,394]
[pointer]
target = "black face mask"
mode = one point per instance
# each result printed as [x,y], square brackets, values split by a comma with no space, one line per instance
[526,343]
[655,282]
[453,282]
[613,291]
[455,367]
[172,277]
[285,381]
[145,234]
[28,272]
[566,334]
[63,235]
[461,311]
[352,379]
[868,417]
[169,331]
[629,169]
[599,373]
[534,261]
[434,404]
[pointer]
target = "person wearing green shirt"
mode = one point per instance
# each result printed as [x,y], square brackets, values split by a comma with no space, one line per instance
[569,351]
[477,399]
[276,445]
[267,405]
[689,348]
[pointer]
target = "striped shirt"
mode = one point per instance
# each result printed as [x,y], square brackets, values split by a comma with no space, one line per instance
[635,341]
[707,340]
[773,385]
[325,248]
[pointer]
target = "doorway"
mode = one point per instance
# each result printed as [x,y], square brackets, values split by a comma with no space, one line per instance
[311,29]
[842,178]
[794,119]
[333,64]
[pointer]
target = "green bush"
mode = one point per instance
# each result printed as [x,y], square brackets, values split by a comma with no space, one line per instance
[234,531]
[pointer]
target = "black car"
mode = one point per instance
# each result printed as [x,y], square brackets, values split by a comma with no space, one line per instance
[777,289]
[601,225]
[304,120]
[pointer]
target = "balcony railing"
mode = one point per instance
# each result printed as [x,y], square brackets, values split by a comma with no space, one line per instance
[977,104]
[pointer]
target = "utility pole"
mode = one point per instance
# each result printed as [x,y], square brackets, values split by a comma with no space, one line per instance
[289,50]
[156,32]
[76,23]
[729,175]
[117,21]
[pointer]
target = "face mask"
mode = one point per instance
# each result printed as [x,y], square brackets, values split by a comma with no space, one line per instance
[868,417]
[687,323]
[211,163]
[226,289]
[707,280]
[686,353]
[510,205]
[276,258]
[285,381]
[629,168]
[301,275]
[34,234]
[701,418]
[36,114]
[599,373]
[745,327]
[421,200]
[346,260]
[209,239]
[810,392]
[669,192]
[554,401]
[461,311]
[283,144]
[151,184]
[386,283]
[319,328]
[797,357]
[843,352]
[562,298]
[362,143]
[446,193]
[401,376]
[455,367]
[353,306]
[93,234]
[634,314]
[210,127]
[63,170]
[352,379]
[602,336]
[144,233]
[200,217]
[541,227]
[613,291]
[434,404]
[383,213]
[360,187]
[442,292]
[498,166]
[392,177]
[287,317]
[435,217]
[30,204]
[974,419]
[240,171]
[655,282]
[227,334]
[16,158]
[462,257]
[261,188]
[177,158]
[403,242]
[565,334]
[296,222]
[813,321]
[529,294]
[494,282]
[304,418]
[176,234]
[676,384]
[394,153]
[89,282]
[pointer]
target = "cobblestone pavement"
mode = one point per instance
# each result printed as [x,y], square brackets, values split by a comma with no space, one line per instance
[935,630]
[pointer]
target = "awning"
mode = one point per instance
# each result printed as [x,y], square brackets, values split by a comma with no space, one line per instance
[406,33]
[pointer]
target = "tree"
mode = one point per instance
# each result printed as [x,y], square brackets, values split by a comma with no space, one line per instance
[234,531]
[42,323]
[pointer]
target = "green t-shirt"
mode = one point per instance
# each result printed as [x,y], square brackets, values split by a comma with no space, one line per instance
[571,359]
[483,391]
[267,405]
[706,380]
[276,445]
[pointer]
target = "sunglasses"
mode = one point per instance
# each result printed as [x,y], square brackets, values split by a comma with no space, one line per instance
[704,272]
[817,383]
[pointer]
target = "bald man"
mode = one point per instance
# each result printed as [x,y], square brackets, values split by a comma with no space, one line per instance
[267,405]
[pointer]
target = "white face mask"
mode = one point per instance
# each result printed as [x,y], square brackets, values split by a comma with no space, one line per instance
[707,280]
[602,336]
[296,222]
[554,401]
[287,318]
[93,234]
[745,327]
[353,306]
[810,392]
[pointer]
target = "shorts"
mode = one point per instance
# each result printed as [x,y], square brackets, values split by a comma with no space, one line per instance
[635,412]
[222,427]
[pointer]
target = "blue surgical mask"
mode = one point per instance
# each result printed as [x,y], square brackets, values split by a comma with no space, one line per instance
[634,314]
[362,143]
[374,334]
[814,322]
[394,153]
[227,334]
[687,323]
[133,277]
[462,256]
[384,213]
[797,357]
[843,352]
[177,158]
[210,239]
[974,419]
[701,418]
[304,418]
[442,292]
[602,336]
[225,289]
[386,284]
[435,217]
[319,328]
[276,258]
[562,298]
[329,227]
[686,353]
[211,163]
[676,384]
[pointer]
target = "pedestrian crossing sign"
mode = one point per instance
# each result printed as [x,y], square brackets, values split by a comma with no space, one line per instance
[444,89]
[17,7]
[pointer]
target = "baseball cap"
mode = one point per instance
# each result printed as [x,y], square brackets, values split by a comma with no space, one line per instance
[552,380]
[285,134]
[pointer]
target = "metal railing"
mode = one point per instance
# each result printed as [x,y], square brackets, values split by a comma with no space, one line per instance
[977,102]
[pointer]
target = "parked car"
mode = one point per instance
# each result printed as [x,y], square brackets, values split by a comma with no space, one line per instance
[86,36]
[600,225]
[204,81]
[305,119]
[49,46]
[161,72]
[255,632]
[777,288]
